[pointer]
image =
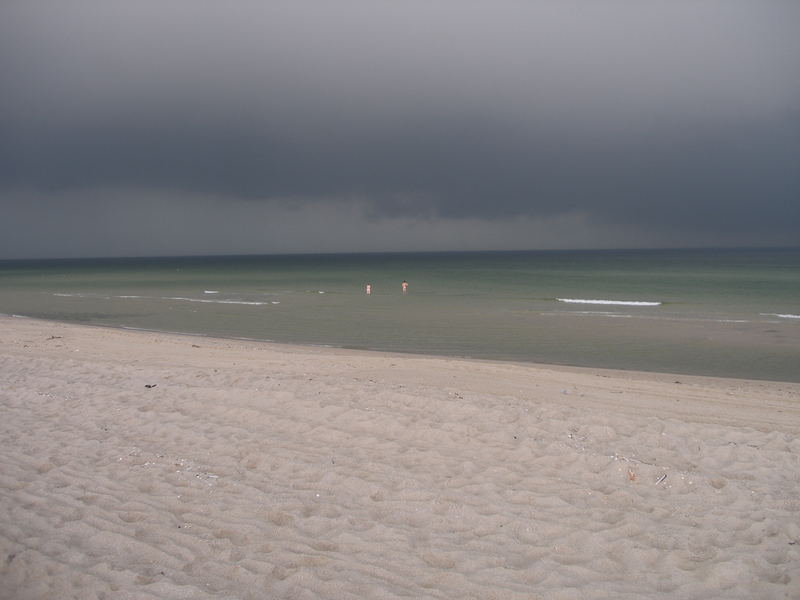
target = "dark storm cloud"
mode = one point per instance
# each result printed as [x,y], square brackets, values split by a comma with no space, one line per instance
[680,116]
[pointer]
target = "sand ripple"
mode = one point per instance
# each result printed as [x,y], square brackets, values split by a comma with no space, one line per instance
[285,476]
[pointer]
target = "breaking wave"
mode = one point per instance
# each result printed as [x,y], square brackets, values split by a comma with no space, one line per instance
[218,301]
[611,302]
[179,298]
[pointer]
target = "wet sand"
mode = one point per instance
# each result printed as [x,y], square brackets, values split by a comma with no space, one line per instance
[250,470]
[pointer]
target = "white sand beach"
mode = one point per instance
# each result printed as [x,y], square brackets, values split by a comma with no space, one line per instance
[255,471]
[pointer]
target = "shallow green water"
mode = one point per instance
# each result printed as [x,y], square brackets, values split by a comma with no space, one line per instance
[714,312]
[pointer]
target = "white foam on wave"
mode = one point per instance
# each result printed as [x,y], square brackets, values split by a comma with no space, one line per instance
[182,299]
[781,316]
[211,292]
[217,301]
[601,313]
[97,296]
[611,302]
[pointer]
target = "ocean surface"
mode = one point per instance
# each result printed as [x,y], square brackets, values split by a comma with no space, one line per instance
[731,313]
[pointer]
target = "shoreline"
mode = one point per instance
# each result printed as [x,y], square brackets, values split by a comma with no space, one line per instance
[151,465]
[423,367]
[401,354]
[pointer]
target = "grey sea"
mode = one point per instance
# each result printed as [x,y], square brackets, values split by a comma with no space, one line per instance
[730,313]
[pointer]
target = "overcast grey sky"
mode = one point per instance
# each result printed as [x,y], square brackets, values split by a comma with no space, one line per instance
[200,127]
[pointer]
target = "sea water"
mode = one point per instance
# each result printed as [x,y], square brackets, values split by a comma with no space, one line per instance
[733,313]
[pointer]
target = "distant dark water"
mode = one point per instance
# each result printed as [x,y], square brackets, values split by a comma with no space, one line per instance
[713,312]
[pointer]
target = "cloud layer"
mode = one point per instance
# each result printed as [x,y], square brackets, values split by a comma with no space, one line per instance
[647,123]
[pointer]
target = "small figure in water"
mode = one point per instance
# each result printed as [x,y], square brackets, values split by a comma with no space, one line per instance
[368,289]
[404,286]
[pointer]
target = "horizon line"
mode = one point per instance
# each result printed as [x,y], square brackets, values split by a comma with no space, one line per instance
[399,252]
